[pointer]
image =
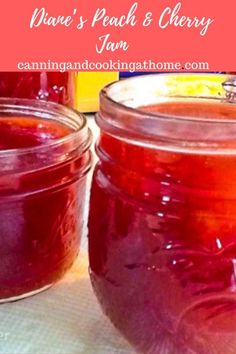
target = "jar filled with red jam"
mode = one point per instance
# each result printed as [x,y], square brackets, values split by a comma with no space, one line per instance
[162,225]
[48,86]
[44,161]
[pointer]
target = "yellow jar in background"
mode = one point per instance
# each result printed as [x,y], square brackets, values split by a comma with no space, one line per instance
[88,86]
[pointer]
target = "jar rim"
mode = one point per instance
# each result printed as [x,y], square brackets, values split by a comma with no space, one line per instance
[104,94]
[121,116]
[47,110]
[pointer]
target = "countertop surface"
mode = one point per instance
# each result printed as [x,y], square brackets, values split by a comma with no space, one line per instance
[65,319]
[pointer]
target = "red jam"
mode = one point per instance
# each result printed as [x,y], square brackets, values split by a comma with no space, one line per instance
[21,132]
[49,86]
[42,189]
[162,235]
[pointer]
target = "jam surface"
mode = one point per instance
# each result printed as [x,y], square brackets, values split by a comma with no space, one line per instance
[48,86]
[162,242]
[41,210]
[20,132]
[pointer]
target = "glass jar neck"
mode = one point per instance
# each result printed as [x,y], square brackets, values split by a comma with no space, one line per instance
[75,143]
[121,113]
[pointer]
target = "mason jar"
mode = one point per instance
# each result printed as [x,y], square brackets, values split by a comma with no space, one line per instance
[162,224]
[44,162]
[56,86]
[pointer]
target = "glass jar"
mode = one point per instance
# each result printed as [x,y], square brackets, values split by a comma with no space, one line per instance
[162,224]
[48,86]
[44,160]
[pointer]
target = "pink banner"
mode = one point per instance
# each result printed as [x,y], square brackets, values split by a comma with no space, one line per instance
[109,35]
